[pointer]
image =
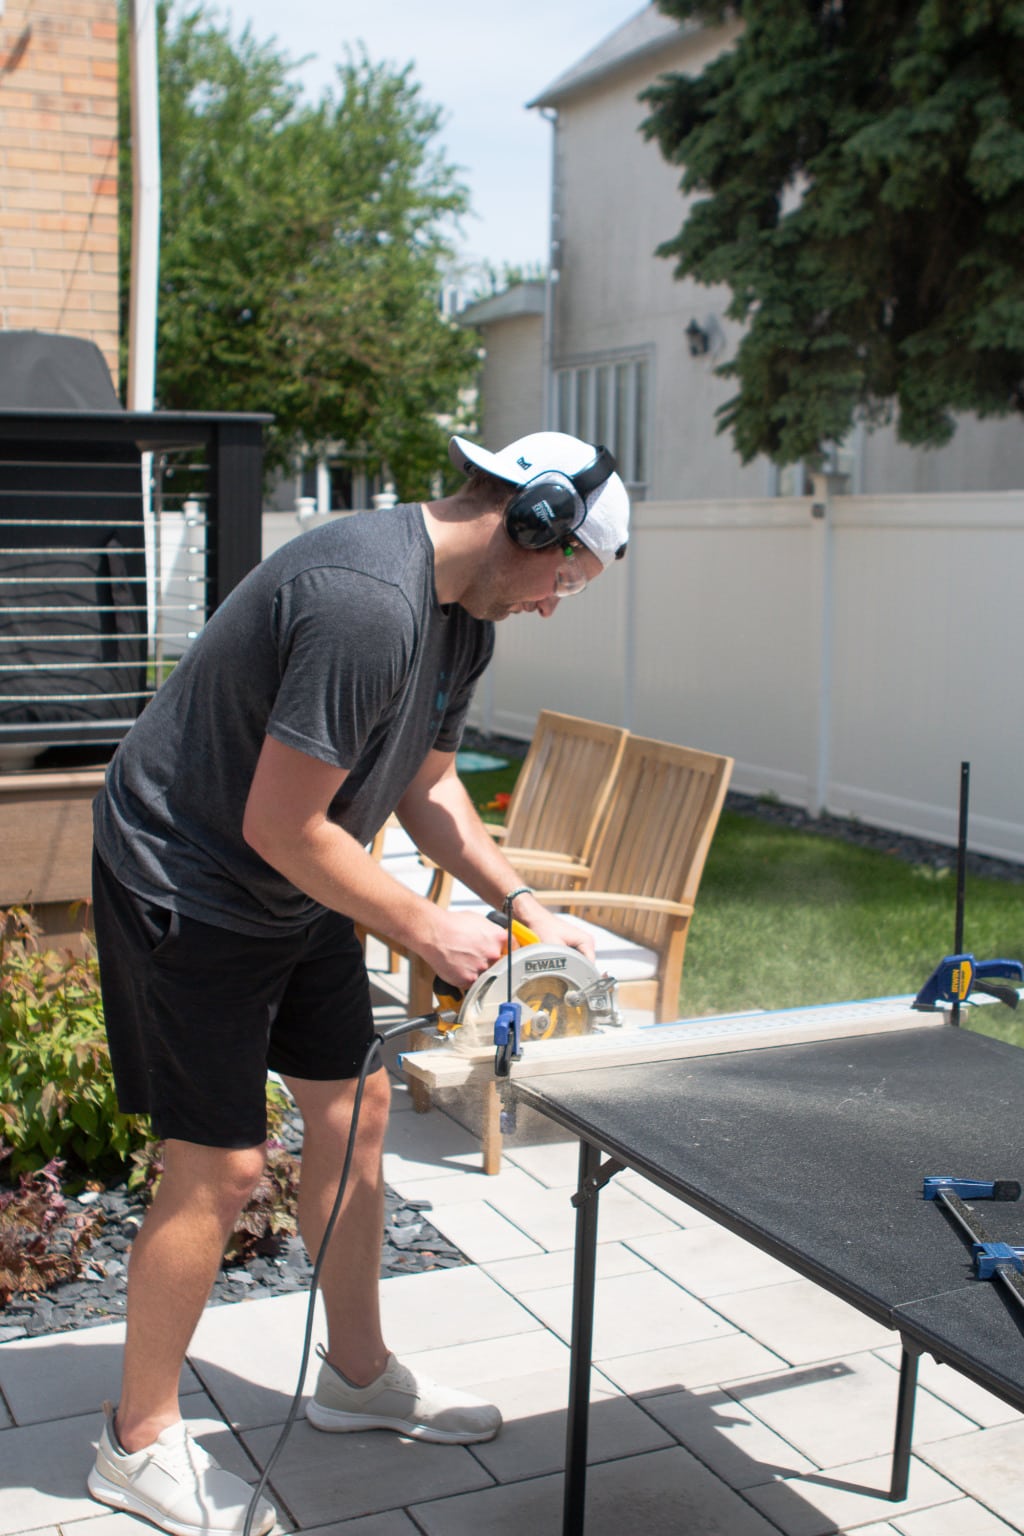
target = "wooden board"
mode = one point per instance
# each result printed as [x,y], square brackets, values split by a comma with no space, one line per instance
[445,1067]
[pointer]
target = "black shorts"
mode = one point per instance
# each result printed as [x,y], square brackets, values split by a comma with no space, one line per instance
[196,1015]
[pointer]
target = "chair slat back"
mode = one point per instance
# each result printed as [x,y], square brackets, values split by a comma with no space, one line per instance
[657,832]
[564,785]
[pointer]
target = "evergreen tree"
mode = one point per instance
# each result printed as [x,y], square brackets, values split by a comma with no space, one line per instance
[858,167]
[301,251]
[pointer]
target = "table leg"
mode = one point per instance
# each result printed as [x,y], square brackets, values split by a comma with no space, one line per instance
[581,1343]
[904,1425]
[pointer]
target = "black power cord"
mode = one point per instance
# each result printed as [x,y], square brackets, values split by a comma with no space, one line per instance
[425,1021]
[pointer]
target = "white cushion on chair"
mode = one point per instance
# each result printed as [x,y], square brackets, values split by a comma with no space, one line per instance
[620,957]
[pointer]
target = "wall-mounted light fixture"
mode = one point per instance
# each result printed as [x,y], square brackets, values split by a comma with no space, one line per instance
[697,339]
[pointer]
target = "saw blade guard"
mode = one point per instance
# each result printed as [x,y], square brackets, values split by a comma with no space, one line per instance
[559,990]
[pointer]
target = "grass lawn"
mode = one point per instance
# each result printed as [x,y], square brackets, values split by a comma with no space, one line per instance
[787,918]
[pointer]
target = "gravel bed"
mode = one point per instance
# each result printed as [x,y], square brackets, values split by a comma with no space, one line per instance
[411,1244]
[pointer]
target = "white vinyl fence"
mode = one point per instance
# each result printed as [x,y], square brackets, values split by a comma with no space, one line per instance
[848,652]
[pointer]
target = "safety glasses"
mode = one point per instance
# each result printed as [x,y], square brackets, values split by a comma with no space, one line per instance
[569,577]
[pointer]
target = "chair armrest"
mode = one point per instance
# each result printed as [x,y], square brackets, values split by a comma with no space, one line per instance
[543,858]
[572,899]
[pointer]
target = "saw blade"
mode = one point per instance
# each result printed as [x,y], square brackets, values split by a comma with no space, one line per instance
[546,1012]
[543,977]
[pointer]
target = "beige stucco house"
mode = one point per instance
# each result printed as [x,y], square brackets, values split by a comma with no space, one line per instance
[625,353]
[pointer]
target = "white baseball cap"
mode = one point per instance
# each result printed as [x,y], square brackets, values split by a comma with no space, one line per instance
[604,530]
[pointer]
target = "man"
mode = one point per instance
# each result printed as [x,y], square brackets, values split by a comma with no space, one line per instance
[328,690]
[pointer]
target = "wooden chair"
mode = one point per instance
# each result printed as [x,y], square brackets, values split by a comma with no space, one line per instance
[640,888]
[560,795]
[638,893]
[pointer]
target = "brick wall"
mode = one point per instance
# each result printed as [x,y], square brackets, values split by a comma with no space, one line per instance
[58,169]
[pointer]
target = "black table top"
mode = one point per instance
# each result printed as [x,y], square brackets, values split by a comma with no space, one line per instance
[817,1153]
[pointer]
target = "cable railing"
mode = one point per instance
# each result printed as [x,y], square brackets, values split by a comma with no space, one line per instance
[119,534]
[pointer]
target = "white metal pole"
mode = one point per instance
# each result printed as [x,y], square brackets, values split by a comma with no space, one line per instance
[145,263]
[547,403]
[823,487]
[145,118]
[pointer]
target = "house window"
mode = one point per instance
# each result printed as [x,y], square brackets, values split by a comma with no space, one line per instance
[608,402]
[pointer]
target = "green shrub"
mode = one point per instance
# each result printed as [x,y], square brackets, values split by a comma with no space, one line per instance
[272,1211]
[57,1096]
[40,1245]
[58,1113]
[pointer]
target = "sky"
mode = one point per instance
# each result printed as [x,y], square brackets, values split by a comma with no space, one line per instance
[480,62]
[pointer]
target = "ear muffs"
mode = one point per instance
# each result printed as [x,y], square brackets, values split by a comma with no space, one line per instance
[551,506]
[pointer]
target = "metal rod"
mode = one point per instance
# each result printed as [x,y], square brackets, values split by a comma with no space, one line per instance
[68,581]
[74,698]
[28,666]
[961,876]
[191,520]
[34,552]
[581,1346]
[69,608]
[58,664]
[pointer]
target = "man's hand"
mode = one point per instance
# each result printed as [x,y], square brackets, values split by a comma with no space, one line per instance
[554,927]
[461,945]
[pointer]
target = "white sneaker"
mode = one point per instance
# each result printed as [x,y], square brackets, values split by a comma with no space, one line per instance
[411,1405]
[175,1484]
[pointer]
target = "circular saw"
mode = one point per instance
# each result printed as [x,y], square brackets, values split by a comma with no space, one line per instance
[559,992]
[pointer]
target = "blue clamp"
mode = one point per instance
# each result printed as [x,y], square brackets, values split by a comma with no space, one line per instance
[989,1256]
[507,1037]
[957,976]
[971,1189]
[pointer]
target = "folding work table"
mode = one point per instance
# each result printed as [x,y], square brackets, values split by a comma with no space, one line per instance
[816,1152]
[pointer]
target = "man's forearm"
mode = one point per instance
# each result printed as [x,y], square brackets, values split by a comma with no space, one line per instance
[446,826]
[334,869]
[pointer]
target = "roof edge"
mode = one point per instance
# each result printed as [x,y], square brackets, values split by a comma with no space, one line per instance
[522,299]
[603,63]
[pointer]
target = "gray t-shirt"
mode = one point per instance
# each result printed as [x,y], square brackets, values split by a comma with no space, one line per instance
[337,646]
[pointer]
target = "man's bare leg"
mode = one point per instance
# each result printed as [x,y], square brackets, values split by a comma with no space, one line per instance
[173,1265]
[350,1279]
[364,1389]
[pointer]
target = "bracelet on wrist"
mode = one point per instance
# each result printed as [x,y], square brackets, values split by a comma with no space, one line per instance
[520,890]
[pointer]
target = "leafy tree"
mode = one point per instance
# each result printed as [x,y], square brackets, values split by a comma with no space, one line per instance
[301,251]
[859,171]
[491,279]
